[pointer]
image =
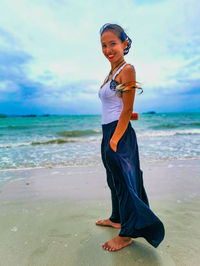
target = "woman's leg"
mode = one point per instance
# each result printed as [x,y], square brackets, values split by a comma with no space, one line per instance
[121,191]
[115,216]
[118,242]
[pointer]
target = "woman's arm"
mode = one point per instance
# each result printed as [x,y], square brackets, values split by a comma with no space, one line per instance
[128,75]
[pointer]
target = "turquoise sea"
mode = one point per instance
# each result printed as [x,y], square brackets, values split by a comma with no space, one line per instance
[48,141]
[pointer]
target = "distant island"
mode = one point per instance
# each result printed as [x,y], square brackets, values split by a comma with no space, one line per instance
[150,112]
[31,115]
[45,115]
[28,115]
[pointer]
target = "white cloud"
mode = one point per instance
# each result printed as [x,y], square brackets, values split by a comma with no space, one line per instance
[8,86]
[62,37]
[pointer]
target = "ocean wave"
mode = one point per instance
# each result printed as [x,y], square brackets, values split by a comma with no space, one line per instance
[13,145]
[30,126]
[164,133]
[164,126]
[24,127]
[19,127]
[196,123]
[79,133]
[178,125]
[52,141]
[35,143]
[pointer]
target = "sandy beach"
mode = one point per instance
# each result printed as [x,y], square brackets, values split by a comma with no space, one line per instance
[48,217]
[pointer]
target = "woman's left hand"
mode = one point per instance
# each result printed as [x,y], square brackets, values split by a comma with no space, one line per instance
[113,145]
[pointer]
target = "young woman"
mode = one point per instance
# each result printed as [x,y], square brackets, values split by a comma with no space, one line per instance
[119,149]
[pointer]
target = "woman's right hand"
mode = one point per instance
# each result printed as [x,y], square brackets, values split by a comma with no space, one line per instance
[134,116]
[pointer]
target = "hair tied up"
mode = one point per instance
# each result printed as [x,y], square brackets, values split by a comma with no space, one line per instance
[129,41]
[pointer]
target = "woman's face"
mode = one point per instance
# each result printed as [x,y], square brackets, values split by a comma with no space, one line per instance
[112,47]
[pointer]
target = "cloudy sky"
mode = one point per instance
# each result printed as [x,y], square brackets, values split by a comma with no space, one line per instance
[51,59]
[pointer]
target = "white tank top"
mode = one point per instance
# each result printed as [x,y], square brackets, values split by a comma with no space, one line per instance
[112,105]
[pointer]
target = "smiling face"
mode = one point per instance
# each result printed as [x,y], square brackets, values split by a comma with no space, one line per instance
[112,47]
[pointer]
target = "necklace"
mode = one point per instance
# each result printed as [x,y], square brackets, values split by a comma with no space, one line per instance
[111,71]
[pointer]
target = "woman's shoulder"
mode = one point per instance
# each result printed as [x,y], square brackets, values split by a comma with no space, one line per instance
[129,67]
[127,72]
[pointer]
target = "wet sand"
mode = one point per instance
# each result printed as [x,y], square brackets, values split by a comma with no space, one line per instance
[47,217]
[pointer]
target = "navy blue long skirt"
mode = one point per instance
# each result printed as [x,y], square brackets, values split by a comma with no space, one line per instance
[130,205]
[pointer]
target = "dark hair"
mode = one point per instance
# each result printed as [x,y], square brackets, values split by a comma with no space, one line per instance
[120,33]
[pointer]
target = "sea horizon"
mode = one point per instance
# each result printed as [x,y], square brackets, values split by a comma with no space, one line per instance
[99,114]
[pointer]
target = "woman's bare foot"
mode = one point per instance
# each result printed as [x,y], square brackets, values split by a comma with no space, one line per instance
[108,222]
[117,243]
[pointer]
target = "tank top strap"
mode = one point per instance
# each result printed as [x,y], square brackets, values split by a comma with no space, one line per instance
[117,72]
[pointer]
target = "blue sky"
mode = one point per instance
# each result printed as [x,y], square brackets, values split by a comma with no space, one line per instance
[51,59]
